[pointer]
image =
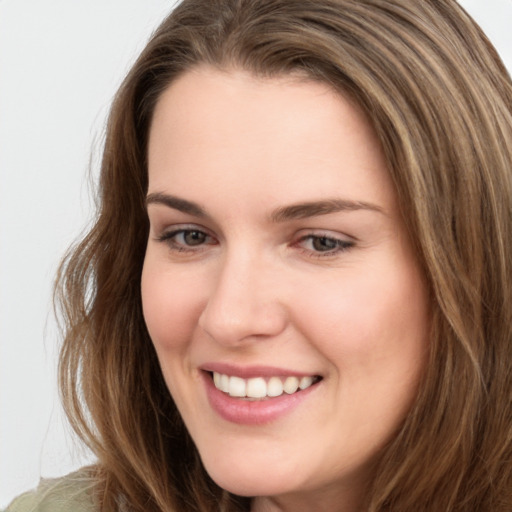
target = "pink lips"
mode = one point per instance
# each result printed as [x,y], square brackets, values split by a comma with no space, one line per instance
[251,412]
[246,372]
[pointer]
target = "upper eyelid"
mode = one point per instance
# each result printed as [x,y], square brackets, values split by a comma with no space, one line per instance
[181,226]
[298,235]
[176,231]
[328,236]
[327,233]
[164,218]
[338,239]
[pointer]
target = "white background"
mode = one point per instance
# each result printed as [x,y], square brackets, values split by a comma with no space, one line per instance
[60,64]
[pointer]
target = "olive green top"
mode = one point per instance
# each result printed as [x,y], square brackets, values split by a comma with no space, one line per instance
[72,493]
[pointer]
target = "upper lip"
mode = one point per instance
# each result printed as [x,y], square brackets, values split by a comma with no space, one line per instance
[247,372]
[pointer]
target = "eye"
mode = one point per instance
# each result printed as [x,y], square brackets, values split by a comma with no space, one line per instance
[186,239]
[191,238]
[324,245]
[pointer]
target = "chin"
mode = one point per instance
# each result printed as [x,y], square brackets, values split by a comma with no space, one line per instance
[244,481]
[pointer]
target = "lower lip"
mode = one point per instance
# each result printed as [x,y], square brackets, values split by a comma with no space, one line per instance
[252,412]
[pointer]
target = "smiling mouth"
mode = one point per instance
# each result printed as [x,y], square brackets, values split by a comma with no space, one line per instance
[259,387]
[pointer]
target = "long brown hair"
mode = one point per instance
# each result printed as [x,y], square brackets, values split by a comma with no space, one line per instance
[440,101]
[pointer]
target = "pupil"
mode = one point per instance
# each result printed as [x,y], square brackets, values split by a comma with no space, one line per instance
[324,244]
[194,238]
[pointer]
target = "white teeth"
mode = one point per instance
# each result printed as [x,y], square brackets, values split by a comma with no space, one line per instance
[274,386]
[237,387]
[291,384]
[305,382]
[258,387]
[224,383]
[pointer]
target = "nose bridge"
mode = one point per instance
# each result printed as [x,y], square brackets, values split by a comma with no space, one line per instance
[243,304]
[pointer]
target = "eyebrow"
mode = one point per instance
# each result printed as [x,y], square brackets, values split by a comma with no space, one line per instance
[176,203]
[323,207]
[281,214]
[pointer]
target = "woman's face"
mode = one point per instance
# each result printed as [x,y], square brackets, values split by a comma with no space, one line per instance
[277,258]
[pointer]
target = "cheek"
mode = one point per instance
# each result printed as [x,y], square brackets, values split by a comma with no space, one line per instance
[369,322]
[171,307]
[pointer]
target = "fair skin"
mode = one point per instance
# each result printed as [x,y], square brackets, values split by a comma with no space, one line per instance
[239,281]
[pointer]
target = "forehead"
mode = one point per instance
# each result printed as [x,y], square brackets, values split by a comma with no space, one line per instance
[214,129]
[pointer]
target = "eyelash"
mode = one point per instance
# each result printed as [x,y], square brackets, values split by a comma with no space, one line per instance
[338,245]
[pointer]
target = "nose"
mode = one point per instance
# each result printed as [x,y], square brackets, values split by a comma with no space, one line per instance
[244,303]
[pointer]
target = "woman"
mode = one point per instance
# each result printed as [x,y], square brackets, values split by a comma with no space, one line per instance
[297,292]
